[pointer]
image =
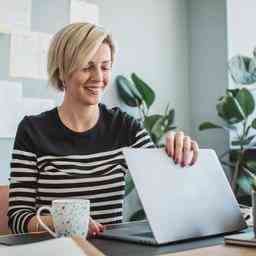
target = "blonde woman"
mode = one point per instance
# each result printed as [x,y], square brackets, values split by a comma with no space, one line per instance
[75,150]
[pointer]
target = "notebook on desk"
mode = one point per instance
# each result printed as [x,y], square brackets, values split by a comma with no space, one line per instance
[180,203]
[59,246]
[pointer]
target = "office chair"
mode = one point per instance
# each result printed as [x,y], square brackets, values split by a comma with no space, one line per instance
[4,198]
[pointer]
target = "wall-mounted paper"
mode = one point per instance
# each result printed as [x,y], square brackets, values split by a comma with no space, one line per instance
[28,56]
[15,15]
[24,55]
[81,11]
[44,41]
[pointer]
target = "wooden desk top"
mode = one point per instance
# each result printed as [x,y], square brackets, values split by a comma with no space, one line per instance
[222,250]
[87,247]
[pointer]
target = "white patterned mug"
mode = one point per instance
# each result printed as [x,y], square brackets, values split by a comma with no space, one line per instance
[70,217]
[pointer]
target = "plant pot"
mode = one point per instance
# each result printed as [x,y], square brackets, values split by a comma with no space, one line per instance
[254,211]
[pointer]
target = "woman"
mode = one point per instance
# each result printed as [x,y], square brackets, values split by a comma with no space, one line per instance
[75,150]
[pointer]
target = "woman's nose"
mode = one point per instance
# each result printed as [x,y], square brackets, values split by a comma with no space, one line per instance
[97,74]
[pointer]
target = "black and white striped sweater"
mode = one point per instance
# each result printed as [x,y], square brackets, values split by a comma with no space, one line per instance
[50,161]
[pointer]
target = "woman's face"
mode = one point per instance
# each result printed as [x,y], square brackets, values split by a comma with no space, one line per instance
[86,86]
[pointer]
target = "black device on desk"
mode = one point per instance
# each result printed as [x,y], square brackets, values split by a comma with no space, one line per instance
[18,239]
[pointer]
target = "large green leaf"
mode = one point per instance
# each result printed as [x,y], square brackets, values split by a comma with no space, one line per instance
[254,123]
[162,125]
[242,69]
[245,183]
[127,92]
[251,164]
[209,125]
[149,121]
[129,185]
[234,92]
[246,101]
[244,142]
[229,110]
[145,90]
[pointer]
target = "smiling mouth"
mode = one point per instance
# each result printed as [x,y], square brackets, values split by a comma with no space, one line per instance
[93,90]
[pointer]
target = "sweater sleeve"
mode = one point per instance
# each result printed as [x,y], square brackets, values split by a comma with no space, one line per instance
[141,137]
[138,136]
[23,180]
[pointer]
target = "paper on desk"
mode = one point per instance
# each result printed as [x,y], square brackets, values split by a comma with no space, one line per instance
[80,11]
[28,54]
[60,246]
[15,15]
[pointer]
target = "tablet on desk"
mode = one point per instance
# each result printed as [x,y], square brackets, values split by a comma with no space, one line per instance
[18,239]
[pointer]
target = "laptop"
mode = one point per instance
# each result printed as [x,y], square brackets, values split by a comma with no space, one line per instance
[180,203]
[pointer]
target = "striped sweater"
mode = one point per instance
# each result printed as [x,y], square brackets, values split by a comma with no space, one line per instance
[50,161]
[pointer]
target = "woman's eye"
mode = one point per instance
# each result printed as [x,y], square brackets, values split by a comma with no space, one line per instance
[106,67]
[87,68]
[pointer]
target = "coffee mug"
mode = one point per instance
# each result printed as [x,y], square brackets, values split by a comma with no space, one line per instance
[70,217]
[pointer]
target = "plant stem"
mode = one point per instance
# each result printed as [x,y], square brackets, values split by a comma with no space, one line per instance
[239,161]
[235,176]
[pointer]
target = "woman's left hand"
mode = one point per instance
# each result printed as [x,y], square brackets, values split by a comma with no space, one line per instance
[180,147]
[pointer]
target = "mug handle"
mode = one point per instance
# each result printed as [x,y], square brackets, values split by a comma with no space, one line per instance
[38,216]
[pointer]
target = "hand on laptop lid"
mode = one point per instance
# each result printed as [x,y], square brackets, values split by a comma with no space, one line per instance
[181,148]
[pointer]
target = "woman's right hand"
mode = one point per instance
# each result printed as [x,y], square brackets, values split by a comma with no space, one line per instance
[95,228]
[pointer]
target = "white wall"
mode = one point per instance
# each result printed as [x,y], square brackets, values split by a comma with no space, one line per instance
[152,41]
[241,37]
[208,68]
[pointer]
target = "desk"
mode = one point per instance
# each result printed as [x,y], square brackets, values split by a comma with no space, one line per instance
[210,247]
[222,250]
[87,247]
[213,246]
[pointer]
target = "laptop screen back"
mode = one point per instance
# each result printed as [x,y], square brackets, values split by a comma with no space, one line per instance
[182,203]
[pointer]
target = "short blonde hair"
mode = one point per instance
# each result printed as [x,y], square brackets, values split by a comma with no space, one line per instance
[72,48]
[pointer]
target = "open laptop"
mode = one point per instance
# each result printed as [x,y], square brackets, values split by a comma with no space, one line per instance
[180,203]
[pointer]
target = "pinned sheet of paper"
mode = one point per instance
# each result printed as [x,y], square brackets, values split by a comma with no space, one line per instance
[28,56]
[81,11]
[15,15]
[44,41]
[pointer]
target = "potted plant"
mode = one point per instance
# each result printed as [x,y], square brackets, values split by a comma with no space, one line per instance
[138,94]
[236,109]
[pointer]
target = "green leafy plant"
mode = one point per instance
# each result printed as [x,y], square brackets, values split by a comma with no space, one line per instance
[136,93]
[235,108]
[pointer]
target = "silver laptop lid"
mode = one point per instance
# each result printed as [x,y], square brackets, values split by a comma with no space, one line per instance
[182,203]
